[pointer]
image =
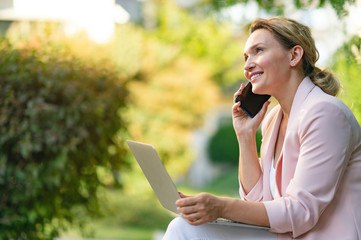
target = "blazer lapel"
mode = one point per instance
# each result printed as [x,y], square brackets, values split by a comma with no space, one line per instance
[278,170]
[269,140]
[302,92]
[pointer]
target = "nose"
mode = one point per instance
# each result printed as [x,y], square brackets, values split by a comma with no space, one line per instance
[249,64]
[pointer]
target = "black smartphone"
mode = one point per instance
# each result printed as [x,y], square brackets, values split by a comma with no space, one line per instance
[251,103]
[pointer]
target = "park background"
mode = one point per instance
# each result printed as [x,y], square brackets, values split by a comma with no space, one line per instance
[78,78]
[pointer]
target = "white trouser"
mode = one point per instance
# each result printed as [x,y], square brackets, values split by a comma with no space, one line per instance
[179,229]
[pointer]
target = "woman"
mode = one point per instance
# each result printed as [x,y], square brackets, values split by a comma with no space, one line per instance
[307,182]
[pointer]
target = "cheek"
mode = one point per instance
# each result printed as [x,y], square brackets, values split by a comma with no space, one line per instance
[275,68]
[273,60]
[268,63]
[246,74]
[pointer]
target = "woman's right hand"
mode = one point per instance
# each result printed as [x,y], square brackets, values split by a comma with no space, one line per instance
[242,123]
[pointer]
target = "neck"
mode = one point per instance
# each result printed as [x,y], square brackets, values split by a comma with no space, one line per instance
[286,95]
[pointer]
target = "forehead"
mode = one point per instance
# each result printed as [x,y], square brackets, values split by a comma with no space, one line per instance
[260,36]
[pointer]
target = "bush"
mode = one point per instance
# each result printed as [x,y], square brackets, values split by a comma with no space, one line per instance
[347,67]
[59,116]
[223,145]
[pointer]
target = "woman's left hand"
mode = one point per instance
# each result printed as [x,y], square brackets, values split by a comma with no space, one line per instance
[200,209]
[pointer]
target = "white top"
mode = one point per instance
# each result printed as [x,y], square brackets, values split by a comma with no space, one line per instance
[272,179]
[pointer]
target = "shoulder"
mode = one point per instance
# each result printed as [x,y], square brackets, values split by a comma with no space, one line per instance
[323,111]
[319,104]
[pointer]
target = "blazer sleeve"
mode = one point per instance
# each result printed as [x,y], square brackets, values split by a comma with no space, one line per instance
[324,135]
[256,193]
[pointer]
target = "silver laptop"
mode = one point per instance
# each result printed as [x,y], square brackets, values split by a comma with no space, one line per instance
[160,181]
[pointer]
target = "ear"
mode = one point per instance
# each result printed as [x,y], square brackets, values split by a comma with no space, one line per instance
[296,54]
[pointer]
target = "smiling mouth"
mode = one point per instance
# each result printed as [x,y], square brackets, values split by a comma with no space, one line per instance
[256,76]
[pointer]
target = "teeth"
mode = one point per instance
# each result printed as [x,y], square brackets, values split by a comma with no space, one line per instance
[256,75]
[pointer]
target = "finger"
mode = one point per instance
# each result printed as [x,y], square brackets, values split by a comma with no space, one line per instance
[239,91]
[193,222]
[236,107]
[238,111]
[192,216]
[193,219]
[183,202]
[182,195]
[187,210]
[197,221]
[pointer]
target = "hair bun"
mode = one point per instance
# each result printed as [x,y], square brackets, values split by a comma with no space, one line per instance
[326,80]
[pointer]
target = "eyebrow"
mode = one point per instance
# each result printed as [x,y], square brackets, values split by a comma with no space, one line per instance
[255,46]
[245,55]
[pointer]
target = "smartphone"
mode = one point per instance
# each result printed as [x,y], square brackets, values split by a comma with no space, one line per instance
[251,103]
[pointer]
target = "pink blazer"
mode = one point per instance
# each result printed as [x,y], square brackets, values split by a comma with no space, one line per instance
[318,175]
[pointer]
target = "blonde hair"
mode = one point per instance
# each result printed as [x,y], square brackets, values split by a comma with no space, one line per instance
[290,33]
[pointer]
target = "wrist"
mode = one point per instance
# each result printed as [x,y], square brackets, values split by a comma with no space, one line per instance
[246,138]
[227,207]
[245,132]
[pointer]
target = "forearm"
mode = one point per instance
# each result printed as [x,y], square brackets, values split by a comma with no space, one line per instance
[244,211]
[205,207]
[249,167]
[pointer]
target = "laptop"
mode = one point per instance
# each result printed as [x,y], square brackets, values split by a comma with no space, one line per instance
[162,184]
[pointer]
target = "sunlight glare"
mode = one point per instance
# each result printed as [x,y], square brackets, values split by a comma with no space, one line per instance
[96,17]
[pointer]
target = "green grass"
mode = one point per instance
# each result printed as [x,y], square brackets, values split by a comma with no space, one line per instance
[225,185]
[103,231]
[136,215]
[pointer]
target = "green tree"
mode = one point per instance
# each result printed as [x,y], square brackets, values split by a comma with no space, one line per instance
[59,116]
[213,43]
[169,101]
[181,65]
[169,92]
[223,145]
[277,7]
[348,68]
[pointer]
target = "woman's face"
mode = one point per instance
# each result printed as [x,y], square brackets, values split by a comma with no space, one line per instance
[267,63]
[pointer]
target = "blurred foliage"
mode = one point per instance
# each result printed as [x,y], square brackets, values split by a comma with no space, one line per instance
[277,7]
[215,44]
[167,106]
[63,121]
[226,184]
[68,105]
[348,68]
[223,145]
[175,87]
[124,210]
[58,125]
[136,209]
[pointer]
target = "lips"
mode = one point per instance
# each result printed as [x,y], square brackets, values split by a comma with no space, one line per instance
[254,76]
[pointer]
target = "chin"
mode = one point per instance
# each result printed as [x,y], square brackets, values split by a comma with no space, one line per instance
[258,89]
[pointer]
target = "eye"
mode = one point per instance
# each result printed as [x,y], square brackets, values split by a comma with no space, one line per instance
[259,49]
[245,55]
